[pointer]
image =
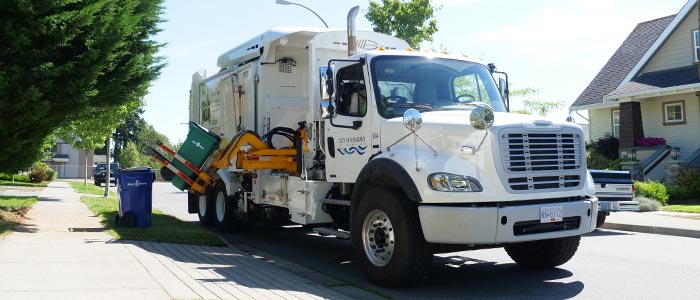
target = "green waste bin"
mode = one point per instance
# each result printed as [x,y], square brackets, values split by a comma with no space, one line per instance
[198,146]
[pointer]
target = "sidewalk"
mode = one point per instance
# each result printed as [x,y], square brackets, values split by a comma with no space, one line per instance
[61,251]
[668,223]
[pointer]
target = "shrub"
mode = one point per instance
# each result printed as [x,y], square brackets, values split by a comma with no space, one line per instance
[646,204]
[651,189]
[689,179]
[608,146]
[679,192]
[41,172]
[596,160]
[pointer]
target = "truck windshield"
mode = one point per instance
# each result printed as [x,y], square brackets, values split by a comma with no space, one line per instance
[430,84]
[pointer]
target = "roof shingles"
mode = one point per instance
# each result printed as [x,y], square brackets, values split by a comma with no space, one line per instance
[623,61]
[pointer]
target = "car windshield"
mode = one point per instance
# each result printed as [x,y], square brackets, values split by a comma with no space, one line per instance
[430,84]
[102,167]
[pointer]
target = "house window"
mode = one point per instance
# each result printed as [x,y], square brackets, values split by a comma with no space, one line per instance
[674,112]
[615,122]
[696,44]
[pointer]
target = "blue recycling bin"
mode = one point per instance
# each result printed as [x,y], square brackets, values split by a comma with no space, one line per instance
[135,194]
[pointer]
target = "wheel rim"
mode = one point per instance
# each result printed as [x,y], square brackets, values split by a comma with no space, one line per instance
[220,206]
[378,238]
[202,206]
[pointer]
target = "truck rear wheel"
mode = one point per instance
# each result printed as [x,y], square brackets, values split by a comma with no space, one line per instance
[206,210]
[227,218]
[388,239]
[600,221]
[545,253]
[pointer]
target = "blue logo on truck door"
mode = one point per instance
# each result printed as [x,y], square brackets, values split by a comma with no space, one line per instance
[352,150]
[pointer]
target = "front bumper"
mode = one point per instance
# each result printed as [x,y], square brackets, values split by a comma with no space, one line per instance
[484,225]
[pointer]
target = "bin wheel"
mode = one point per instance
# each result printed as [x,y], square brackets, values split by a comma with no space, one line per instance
[126,221]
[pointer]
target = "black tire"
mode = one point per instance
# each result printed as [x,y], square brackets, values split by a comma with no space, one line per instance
[545,253]
[600,221]
[401,234]
[227,218]
[206,210]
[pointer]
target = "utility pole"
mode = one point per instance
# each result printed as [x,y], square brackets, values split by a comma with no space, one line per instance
[107,169]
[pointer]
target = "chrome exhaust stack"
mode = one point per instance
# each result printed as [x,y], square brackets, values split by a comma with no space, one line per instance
[352,39]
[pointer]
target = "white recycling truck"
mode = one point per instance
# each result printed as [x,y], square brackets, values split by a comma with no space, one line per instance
[406,153]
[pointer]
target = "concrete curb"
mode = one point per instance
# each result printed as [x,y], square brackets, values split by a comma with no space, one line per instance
[653,229]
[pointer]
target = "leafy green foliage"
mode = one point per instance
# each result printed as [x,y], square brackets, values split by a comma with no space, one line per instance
[690,179]
[64,61]
[534,106]
[596,160]
[607,146]
[41,172]
[410,20]
[17,177]
[679,193]
[651,189]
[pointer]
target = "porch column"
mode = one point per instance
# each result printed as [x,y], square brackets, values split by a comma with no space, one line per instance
[631,127]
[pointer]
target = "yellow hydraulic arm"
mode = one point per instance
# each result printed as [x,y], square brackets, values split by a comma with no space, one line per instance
[251,153]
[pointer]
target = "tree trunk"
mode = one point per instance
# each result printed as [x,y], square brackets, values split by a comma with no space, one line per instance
[86,172]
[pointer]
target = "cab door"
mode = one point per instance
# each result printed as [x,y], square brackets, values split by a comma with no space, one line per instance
[348,128]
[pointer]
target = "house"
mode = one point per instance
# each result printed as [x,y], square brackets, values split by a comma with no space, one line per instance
[69,162]
[650,88]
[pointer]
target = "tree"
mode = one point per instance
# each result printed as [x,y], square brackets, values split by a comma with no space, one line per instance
[129,130]
[66,60]
[411,21]
[91,131]
[534,106]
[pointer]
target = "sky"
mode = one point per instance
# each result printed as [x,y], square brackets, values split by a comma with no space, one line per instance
[555,46]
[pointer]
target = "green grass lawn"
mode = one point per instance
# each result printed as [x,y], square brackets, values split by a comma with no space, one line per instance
[20,183]
[11,211]
[164,228]
[686,208]
[90,188]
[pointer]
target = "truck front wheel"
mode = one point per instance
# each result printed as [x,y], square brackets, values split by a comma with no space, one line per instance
[388,239]
[205,210]
[600,220]
[545,253]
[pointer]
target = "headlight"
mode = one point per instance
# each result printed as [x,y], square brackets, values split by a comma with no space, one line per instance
[445,182]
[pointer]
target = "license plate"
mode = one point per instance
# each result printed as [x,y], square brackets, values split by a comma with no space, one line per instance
[551,214]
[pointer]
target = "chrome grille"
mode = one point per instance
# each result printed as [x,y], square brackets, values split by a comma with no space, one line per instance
[541,161]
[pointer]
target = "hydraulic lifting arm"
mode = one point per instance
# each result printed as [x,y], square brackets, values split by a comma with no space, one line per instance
[250,152]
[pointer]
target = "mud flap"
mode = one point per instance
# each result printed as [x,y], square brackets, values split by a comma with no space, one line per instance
[192,203]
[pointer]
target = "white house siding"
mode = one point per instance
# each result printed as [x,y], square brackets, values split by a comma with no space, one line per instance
[600,122]
[678,49]
[685,136]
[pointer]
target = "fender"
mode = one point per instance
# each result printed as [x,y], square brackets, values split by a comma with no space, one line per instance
[384,172]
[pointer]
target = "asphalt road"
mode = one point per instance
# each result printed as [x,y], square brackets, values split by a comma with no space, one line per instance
[608,265]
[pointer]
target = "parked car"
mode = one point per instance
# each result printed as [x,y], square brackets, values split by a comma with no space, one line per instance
[615,192]
[101,171]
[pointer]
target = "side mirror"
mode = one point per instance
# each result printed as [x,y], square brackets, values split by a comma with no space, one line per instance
[481,117]
[329,81]
[503,87]
[327,109]
[412,119]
